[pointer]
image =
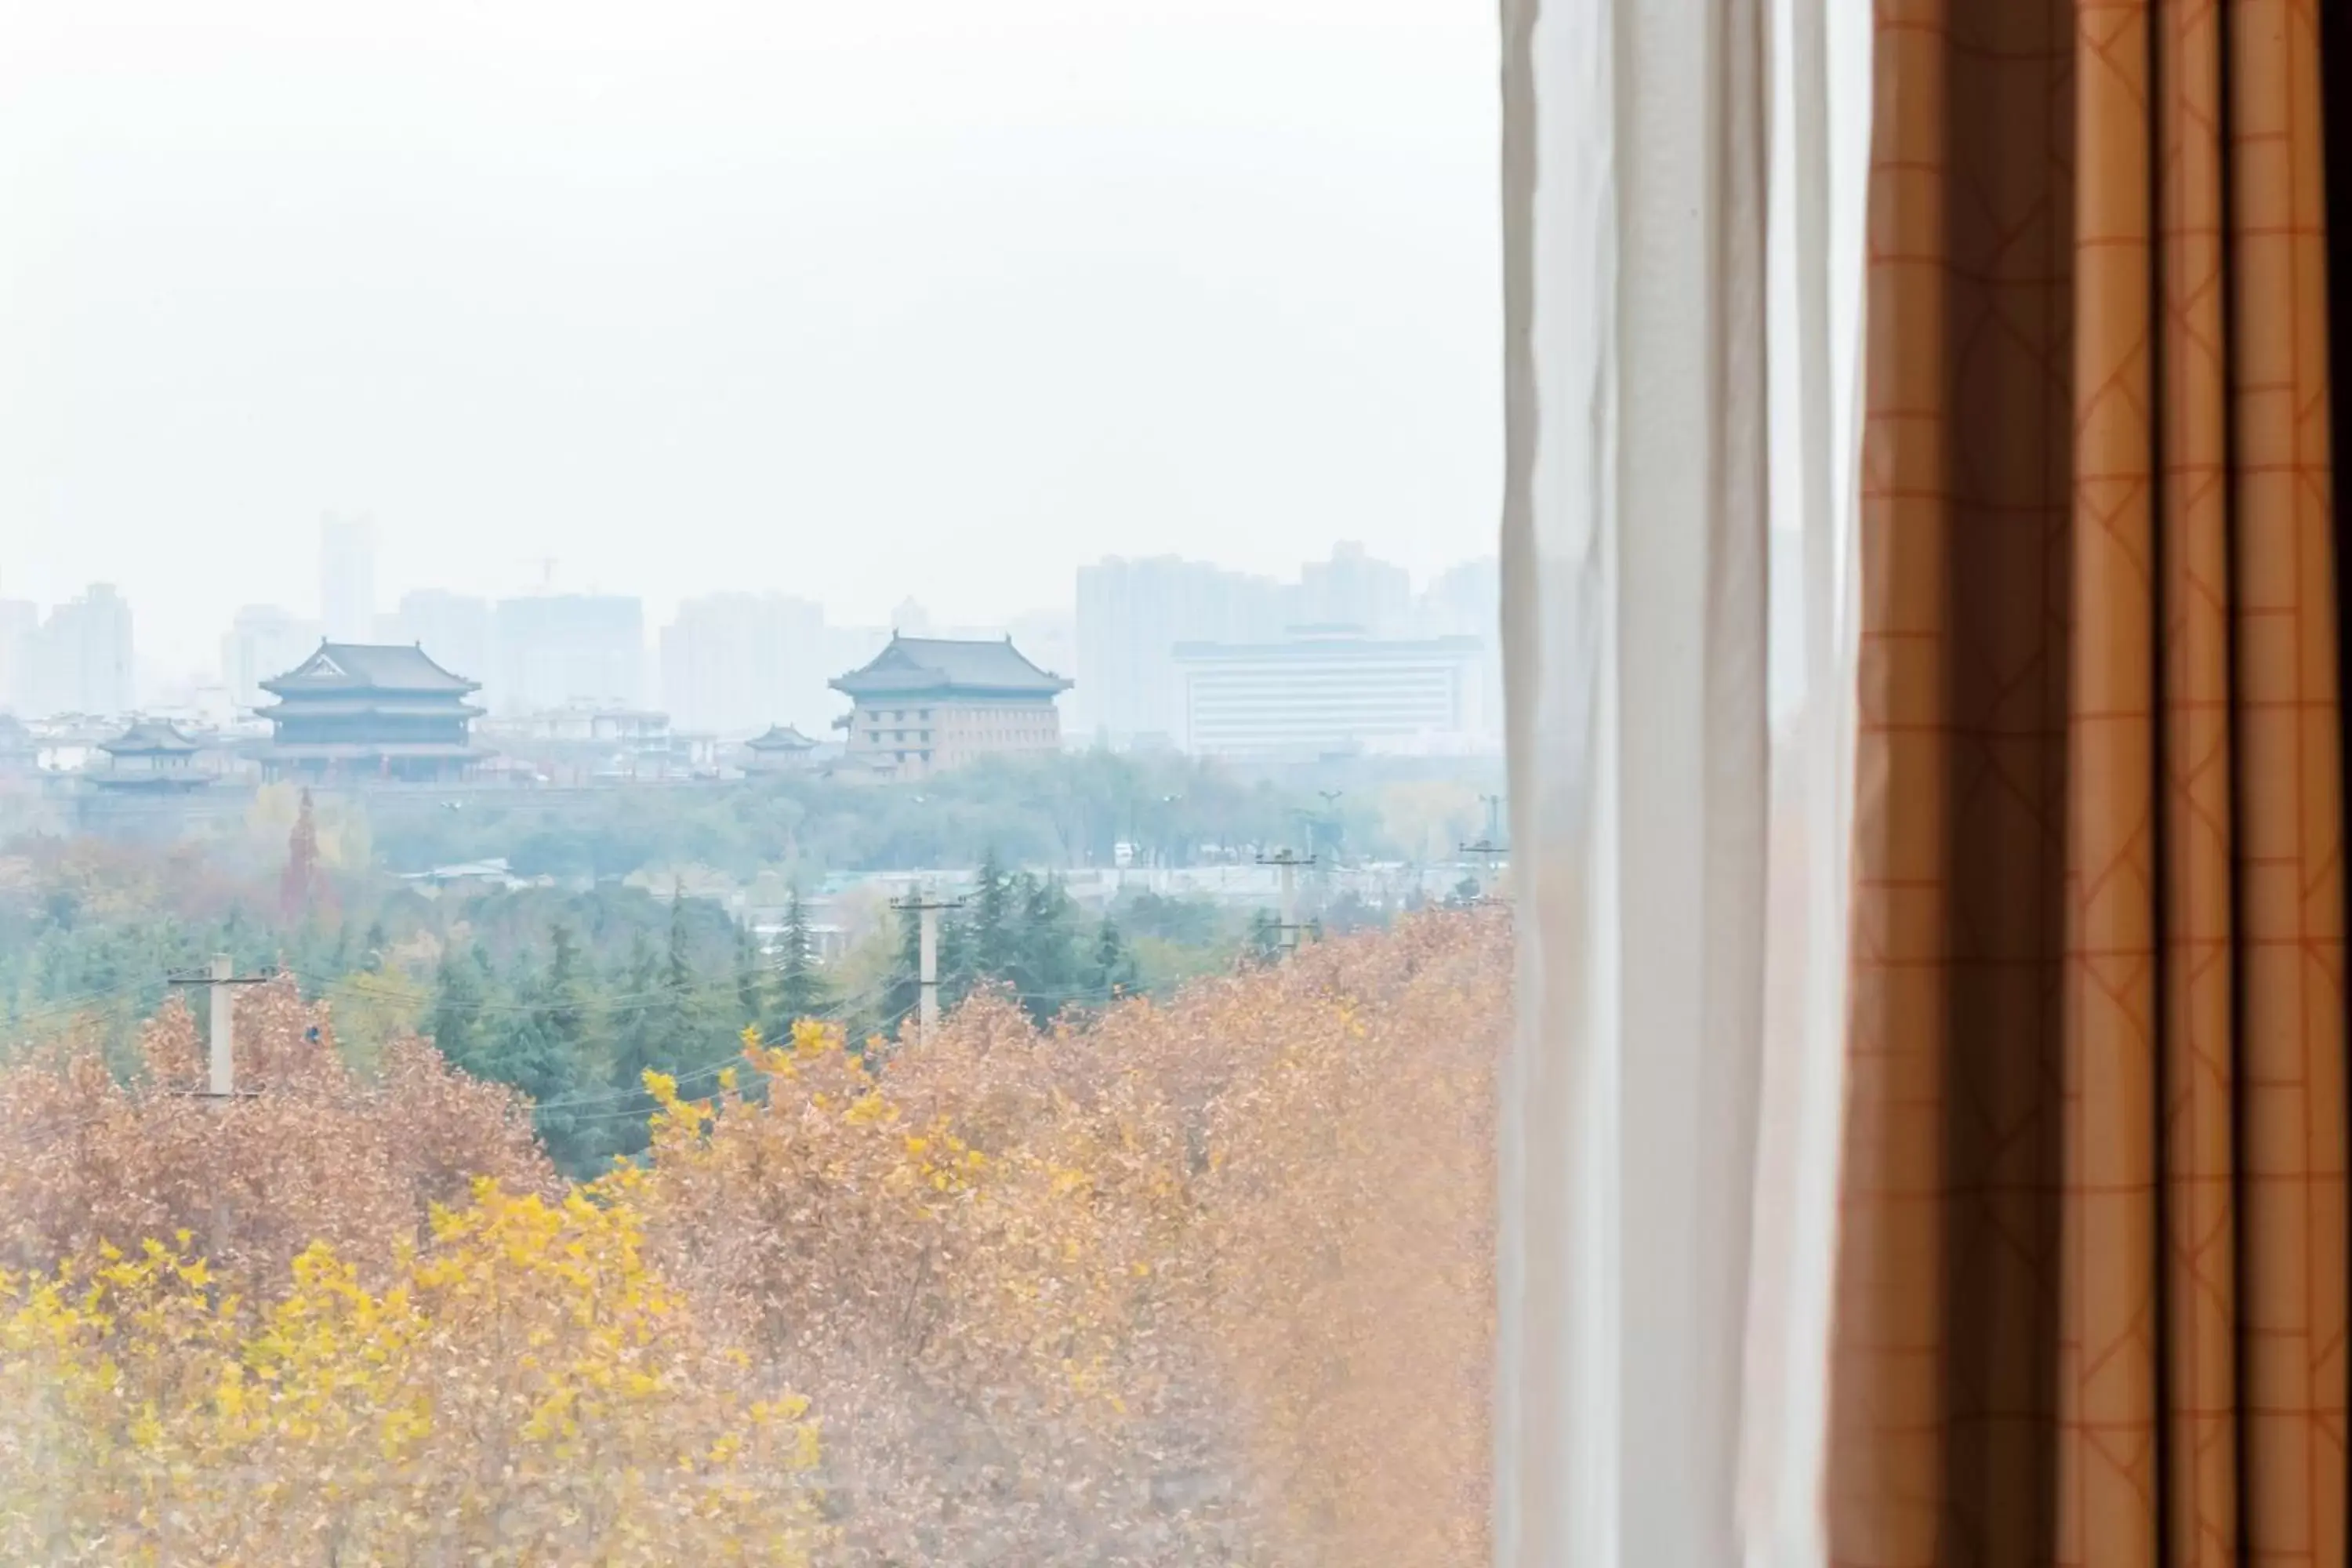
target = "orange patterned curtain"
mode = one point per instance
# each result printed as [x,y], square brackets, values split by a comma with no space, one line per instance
[2092,1284]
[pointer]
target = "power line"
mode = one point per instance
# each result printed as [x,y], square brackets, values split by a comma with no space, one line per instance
[635,1113]
[65,1007]
[626,999]
[710,1071]
[842,1014]
[359,977]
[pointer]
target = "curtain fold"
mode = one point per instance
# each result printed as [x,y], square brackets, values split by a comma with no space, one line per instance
[2091,1295]
[1635,630]
[1814,319]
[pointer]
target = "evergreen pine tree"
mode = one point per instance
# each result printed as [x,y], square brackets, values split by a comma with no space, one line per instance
[567,1008]
[958,970]
[1049,969]
[800,988]
[523,1051]
[681,1043]
[636,1039]
[751,981]
[456,1021]
[542,1049]
[905,989]
[522,974]
[1115,968]
[993,933]
[677,963]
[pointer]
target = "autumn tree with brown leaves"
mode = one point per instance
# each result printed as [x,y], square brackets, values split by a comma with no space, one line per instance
[316,1154]
[1206,1280]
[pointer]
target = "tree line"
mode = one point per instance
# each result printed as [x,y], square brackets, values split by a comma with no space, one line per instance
[1023,931]
[578,1042]
[1067,810]
[570,997]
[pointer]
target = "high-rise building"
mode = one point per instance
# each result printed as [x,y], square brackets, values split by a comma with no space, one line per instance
[735,663]
[1130,616]
[347,577]
[1048,636]
[911,619]
[456,629]
[263,641]
[20,623]
[1464,600]
[1352,589]
[81,656]
[1467,601]
[558,650]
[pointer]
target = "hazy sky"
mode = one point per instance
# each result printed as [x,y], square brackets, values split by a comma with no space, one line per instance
[854,299]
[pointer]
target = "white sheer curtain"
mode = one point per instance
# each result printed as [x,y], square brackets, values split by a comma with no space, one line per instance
[1821,138]
[1635,611]
[1671,1110]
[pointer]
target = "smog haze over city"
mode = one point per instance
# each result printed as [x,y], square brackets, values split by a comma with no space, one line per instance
[670,669]
[863,305]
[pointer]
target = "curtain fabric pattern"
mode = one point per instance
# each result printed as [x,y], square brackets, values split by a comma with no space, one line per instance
[2091,1295]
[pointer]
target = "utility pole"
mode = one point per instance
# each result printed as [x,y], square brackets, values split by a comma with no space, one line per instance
[1486,849]
[1488,852]
[928,918]
[1290,863]
[927,951]
[220,1059]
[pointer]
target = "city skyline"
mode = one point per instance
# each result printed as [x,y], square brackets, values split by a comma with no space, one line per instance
[735,661]
[185,642]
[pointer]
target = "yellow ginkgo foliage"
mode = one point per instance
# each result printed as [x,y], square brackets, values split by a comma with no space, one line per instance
[527,1389]
[936,1263]
[1200,1279]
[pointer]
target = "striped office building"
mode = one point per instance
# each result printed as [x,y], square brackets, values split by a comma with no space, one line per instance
[1325,690]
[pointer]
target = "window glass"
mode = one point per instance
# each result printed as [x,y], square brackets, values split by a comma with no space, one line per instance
[510,512]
